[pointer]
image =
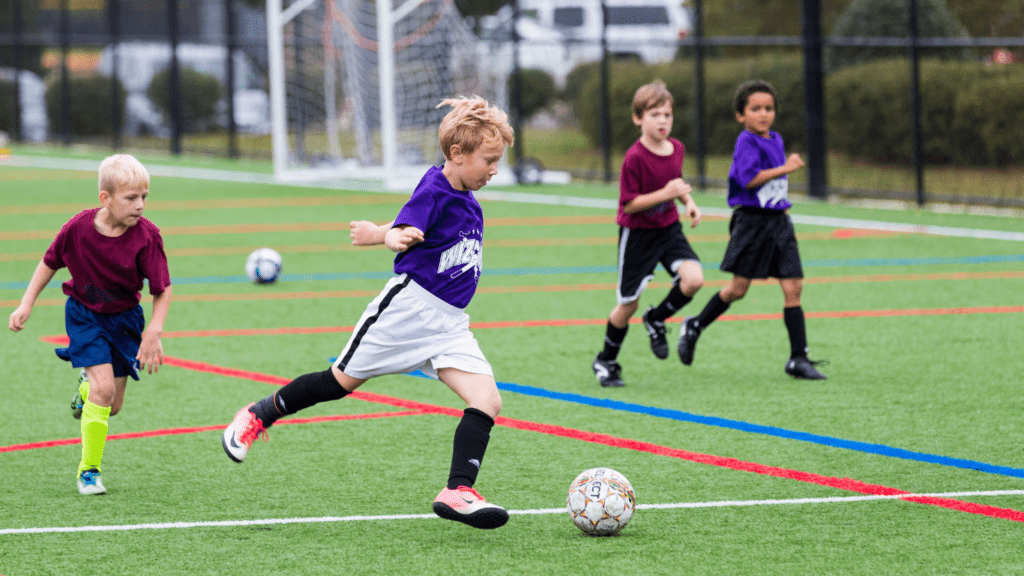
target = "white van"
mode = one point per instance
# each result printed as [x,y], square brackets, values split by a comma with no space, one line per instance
[558,35]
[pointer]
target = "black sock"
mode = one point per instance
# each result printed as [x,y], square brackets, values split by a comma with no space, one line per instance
[471,436]
[303,392]
[794,319]
[673,302]
[712,310]
[613,338]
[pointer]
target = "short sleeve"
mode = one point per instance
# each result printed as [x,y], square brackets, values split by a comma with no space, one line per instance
[153,265]
[746,162]
[418,211]
[629,179]
[54,257]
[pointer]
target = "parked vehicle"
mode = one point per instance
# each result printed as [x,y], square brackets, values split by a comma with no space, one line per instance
[558,35]
[139,62]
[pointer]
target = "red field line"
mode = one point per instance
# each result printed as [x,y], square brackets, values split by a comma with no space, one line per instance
[847,484]
[63,340]
[541,288]
[195,429]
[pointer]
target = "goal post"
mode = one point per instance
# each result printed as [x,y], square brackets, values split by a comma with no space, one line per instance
[354,86]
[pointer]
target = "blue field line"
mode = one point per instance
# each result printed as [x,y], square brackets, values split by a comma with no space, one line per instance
[547,270]
[680,416]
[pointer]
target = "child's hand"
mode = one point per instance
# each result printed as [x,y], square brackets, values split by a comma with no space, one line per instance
[363,233]
[694,213]
[678,188]
[403,238]
[794,162]
[151,353]
[18,318]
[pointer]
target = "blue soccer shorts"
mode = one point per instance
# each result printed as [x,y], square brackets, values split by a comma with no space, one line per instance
[103,338]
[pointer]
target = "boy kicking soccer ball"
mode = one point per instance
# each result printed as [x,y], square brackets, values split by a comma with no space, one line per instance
[109,251]
[418,321]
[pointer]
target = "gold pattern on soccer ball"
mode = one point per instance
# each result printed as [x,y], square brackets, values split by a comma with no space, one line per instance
[601,501]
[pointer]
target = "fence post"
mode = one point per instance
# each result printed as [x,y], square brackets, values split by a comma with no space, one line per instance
[517,100]
[606,121]
[115,40]
[173,80]
[698,100]
[814,99]
[229,31]
[915,95]
[65,80]
[17,25]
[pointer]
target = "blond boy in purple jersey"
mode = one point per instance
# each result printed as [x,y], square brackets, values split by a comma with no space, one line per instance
[418,321]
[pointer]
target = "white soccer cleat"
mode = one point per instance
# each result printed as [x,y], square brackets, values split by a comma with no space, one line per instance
[241,433]
[467,506]
[89,483]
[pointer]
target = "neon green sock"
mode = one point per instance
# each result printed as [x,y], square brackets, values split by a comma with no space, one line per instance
[83,390]
[94,435]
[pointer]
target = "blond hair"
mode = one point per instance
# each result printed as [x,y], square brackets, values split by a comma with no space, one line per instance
[472,123]
[122,172]
[651,96]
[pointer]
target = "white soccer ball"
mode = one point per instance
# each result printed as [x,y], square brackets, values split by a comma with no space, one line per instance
[263,266]
[601,501]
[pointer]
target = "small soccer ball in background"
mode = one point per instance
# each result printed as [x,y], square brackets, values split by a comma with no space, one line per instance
[601,501]
[263,266]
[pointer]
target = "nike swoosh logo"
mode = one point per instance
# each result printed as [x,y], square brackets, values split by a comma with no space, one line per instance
[232,443]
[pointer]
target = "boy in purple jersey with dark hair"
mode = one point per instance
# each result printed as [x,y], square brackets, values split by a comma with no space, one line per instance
[762,242]
[109,251]
[418,321]
[649,231]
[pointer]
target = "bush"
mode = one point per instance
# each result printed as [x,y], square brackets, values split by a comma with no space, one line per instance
[198,94]
[89,113]
[537,89]
[891,18]
[721,78]
[577,78]
[967,112]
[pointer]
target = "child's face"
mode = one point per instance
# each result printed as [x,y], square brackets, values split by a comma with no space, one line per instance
[125,207]
[759,114]
[473,171]
[656,123]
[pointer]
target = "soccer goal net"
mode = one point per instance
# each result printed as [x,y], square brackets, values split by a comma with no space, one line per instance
[354,85]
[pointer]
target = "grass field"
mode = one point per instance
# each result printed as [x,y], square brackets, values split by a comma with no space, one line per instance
[907,460]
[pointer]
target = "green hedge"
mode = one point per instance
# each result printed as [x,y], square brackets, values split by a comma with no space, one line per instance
[90,113]
[199,94]
[970,112]
[721,77]
[537,91]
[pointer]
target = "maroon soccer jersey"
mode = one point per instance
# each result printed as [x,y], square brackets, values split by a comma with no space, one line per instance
[644,172]
[107,273]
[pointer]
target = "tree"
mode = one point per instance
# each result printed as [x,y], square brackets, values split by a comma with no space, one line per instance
[891,18]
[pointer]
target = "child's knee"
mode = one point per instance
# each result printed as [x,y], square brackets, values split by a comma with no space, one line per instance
[690,285]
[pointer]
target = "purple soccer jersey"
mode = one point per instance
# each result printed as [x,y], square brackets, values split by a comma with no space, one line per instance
[449,260]
[107,273]
[644,172]
[752,155]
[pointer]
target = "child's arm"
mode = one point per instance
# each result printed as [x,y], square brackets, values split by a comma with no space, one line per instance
[151,350]
[690,208]
[40,278]
[676,188]
[401,238]
[366,233]
[793,163]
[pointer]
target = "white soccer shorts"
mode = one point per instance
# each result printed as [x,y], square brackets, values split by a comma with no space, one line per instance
[405,328]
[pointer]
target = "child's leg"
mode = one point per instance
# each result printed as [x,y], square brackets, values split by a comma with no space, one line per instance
[615,332]
[104,390]
[689,279]
[793,316]
[483,403]
[303,392]
[716,306]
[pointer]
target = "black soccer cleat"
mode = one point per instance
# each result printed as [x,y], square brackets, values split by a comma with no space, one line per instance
[803,369]
[688,334]
[608,372]
[656,329]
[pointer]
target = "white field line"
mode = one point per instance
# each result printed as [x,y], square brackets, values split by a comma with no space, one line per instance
[325,519]
[503,196]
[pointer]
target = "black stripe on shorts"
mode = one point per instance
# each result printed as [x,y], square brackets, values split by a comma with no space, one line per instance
[372,320]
